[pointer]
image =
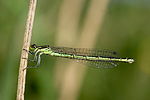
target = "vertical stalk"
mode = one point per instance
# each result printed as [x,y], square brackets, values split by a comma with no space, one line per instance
[24,54]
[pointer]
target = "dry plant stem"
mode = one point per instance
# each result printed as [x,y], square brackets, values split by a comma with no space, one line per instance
[24,54]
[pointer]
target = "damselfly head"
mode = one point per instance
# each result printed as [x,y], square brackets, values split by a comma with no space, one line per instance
[33,46]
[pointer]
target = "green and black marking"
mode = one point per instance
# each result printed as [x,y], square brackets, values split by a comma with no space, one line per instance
[99,58]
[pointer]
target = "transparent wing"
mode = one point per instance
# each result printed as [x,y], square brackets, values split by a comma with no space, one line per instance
[89,52]
[84,51]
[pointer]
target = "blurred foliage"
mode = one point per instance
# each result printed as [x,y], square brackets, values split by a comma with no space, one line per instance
[125,29]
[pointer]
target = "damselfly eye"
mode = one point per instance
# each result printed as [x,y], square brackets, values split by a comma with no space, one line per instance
[33,46]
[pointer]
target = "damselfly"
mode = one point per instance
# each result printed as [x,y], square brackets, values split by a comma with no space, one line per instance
[98,58]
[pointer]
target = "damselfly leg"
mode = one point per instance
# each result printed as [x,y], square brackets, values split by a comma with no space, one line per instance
[37,58]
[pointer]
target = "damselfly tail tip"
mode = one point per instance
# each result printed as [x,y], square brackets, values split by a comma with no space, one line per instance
[130,60]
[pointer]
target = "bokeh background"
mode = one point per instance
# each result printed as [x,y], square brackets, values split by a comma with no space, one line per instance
[119,25]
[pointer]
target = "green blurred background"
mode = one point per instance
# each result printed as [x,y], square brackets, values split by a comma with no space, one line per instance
[125,28]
